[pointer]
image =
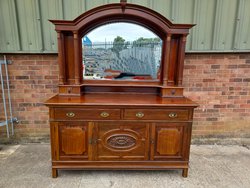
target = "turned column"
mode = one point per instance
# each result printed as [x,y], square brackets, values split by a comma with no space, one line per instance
[61,59]
[181,53]
[77,59]
[166,58]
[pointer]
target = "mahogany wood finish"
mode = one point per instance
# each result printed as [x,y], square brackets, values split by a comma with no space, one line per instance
[115,128]
[134,125]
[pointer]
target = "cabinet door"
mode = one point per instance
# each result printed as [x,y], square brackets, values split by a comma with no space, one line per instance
[121,141]
[73,140]
[170,141]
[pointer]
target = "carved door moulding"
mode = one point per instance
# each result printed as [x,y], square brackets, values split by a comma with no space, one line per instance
[121,141]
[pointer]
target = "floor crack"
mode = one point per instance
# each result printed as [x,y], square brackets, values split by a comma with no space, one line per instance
[246,146]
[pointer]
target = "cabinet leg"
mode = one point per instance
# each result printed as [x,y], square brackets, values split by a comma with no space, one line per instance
[54,173]
[185,172]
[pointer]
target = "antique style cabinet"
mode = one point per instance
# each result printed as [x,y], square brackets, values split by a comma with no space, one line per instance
[108,117]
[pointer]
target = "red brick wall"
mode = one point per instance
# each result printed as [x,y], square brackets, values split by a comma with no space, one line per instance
[33,79]
[219,83]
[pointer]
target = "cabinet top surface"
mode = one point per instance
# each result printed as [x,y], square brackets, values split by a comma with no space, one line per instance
[103,99]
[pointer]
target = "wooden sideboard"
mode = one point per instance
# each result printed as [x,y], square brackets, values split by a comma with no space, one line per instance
[120,124]
[120,131]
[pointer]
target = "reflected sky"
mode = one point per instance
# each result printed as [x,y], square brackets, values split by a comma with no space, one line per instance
[128,31]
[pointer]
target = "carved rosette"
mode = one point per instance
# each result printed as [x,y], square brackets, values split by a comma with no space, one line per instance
[121,141]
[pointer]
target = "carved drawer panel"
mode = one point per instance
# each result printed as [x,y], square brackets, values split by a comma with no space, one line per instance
[156,114]
[89,114]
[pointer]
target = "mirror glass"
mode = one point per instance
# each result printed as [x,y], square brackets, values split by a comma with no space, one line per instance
[121,51]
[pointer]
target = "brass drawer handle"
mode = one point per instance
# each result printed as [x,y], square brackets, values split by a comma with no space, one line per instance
[104,114]
[172,115]
[139,115]
[70,114]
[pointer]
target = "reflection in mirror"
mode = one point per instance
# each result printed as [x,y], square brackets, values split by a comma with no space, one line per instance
[121,51]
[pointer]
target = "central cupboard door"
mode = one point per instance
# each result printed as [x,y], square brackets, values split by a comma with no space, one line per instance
[121,141]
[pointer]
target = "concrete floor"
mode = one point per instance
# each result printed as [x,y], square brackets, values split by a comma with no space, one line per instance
[210,166]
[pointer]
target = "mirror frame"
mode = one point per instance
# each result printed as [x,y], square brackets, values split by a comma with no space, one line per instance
[70,33]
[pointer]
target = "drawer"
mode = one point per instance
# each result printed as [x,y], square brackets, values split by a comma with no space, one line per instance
[89,114]
[156,114]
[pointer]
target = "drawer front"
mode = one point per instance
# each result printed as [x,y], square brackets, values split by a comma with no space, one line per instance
[88,114]
[156,114]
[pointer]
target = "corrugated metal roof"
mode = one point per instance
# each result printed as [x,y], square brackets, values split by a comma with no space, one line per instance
[222,25]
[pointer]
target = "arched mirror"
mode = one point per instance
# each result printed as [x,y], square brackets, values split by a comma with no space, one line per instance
[121,51]
[121,47]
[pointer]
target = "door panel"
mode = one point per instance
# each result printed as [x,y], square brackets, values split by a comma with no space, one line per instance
[167,141]
[121,141]
[73,137]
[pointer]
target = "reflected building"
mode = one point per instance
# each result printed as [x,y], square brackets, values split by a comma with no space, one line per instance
[133,62]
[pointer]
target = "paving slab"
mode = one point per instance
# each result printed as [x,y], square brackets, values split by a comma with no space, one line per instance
[214,166]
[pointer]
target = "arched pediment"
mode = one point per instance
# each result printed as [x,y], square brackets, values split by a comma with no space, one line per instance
[118,12]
